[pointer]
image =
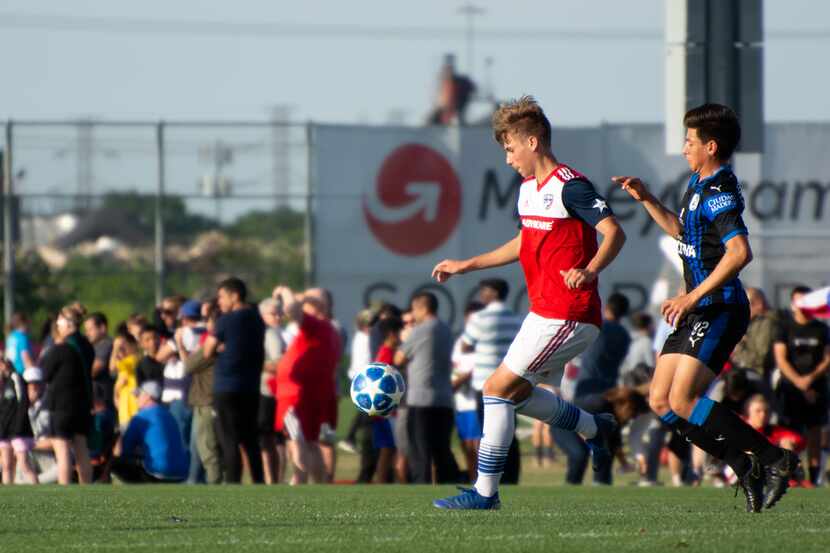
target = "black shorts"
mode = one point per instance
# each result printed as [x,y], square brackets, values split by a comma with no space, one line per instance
[709,334]
[267,411]
[67,425]
[798,413]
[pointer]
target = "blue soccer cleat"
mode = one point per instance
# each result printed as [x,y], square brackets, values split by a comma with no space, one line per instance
[598,445]
[468,499]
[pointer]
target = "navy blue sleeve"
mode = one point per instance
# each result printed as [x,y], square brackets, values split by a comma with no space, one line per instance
[219,329]
[582,201]
[724,210]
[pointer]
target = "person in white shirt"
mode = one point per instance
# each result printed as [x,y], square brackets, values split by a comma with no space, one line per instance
[466,403]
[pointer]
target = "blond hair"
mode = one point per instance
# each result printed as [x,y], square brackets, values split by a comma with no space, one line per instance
[524,117]
[72,313]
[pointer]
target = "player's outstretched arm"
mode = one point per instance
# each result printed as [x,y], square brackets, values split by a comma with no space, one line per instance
[613,238]
[663,216]
[504,254]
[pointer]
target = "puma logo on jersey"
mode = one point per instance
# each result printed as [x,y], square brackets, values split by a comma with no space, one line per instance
[698,331]
[686,250]
[718,187]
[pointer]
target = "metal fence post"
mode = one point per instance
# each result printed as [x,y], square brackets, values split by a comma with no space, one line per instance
[159,215]
[310,265]
[8,228]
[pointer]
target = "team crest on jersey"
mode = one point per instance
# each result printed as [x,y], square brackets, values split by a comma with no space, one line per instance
[695,201]
[547,199]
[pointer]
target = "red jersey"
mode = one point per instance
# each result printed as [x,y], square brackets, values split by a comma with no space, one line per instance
[557,217]
[310,362]
[777,434]
[385,355]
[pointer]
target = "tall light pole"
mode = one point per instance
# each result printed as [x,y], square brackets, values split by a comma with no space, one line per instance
[8,239]
[470,11]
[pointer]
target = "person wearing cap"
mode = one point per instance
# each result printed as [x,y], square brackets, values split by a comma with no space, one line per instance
[173,353]
[200,398]
[15,431]
[41,422]
[151,450]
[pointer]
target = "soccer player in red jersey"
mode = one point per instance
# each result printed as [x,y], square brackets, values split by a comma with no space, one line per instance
[560,214]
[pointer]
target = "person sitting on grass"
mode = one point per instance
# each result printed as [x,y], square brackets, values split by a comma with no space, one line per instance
[41,422]
[151,450]
[102,435]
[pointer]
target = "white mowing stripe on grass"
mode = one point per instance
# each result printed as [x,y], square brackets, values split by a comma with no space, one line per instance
[662,533]
[397,539]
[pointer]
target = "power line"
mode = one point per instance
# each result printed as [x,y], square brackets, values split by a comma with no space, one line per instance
[17,21]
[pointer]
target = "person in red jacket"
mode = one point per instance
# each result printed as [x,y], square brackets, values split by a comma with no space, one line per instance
[304,381]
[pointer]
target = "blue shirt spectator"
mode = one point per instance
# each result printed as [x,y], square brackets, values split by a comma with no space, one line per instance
[18,346]
[153,438]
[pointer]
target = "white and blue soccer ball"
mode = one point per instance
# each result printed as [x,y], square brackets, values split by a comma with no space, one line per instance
[377,389]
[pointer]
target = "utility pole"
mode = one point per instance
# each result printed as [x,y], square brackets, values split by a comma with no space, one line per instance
[159,214]
[8,227]
[84,164]
[470,11]
[281,153]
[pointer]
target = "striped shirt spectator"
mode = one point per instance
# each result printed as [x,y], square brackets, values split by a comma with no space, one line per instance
[490,332]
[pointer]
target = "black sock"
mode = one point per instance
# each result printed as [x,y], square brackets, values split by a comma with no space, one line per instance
[814,473]
[701,438]
[721,421]
[719,449]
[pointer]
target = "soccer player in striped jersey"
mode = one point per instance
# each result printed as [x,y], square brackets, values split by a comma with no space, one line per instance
[560,214]
[712,315]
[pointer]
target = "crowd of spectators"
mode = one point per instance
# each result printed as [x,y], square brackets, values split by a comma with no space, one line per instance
[186,395]
[208,391]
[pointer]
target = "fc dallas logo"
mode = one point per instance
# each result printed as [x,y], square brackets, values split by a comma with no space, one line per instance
[416,201]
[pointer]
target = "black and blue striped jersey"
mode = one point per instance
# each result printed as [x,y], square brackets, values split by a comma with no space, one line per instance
[711,216]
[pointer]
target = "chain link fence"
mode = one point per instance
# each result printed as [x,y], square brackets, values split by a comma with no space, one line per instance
[120,215]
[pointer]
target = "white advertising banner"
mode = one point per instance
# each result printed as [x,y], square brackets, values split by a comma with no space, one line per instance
[389,203]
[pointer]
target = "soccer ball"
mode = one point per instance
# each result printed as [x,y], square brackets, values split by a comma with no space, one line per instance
[378,389]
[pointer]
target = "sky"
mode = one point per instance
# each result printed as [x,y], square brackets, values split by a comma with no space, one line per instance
[368,61]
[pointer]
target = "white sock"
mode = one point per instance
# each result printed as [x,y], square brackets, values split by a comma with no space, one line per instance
[547,407]
[499,425]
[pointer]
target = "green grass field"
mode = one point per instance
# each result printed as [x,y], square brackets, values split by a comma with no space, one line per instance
[397,519]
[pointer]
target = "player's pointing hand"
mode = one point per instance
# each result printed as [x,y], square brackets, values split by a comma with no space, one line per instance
[634,186]
[444,270]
